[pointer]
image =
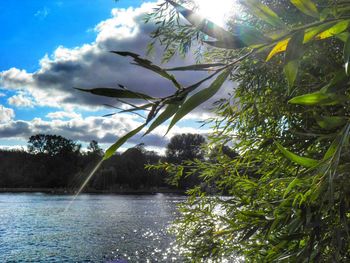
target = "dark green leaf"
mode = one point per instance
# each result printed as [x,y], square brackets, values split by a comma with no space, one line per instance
[170,110]
[330,122]
[196,67]
[112,149]
[294,52]
[303,161]
[200,97]
[148,65]
[116,93]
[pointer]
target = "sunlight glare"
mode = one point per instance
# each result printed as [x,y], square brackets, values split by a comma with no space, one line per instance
[217,11]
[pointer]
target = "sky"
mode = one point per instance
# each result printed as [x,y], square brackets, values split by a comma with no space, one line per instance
[48,47]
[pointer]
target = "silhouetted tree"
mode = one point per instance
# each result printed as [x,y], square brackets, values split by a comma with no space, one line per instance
[94,148]
[51,144]
[185,147]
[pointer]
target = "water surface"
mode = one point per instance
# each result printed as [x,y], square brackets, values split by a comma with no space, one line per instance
[96,228]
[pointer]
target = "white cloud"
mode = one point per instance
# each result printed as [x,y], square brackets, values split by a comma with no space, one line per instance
[63,115]
[2,94]
[21,100]
[6,114]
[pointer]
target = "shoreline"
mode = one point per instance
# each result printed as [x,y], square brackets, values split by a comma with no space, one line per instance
[64,191]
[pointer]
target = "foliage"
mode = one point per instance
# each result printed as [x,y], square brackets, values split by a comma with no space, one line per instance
[288,189]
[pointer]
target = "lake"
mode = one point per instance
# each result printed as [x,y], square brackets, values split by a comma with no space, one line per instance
[95,228]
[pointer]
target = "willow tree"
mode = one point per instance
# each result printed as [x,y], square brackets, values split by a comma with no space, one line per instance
[289,188]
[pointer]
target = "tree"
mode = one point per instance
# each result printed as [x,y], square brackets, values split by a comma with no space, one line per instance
[185,147]
[288,189]
[51,145]
[94,148]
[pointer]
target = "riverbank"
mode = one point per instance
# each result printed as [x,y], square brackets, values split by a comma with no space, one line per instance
[64,191]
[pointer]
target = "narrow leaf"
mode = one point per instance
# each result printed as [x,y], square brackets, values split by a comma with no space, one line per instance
[170,110]
[149,65]
[196,67]
[263,12]
[116,93]
[307,7]
[347,55]
[227,44]
[112,149]
[334,30]
[303,161]
[204,25]
[294,53]
[200,97]
[290,187]
[330,122]
[279,47]
[317,98]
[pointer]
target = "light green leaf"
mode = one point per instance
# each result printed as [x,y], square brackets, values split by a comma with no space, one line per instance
[116,93]
[317,98]
[307,7]
[347,55]
[200,97]
[303,161]
[170,110]
[293,54]
[112,149]
[263,12]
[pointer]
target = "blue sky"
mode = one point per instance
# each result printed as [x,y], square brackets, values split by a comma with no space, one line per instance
[50,46]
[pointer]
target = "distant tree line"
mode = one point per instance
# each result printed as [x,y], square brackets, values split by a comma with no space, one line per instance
[53,161]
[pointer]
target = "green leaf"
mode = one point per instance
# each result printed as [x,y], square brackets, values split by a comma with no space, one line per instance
[196,67]
[149,65]
[279,47]
[303,161]
[332,148]
[200,97]
[317,98]
[112,149]
[290,187]
[263,12]
[227,44]
[170,110]
[347,55]
[330,122]
[116,93]
[307,7]
[294,53]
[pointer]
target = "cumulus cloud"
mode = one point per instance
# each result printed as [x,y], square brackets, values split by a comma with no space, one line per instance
[91,65]
[6,114]
[62,115]
[21,100]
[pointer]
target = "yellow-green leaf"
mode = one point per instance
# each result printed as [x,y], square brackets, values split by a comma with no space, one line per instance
[303,161]
[334,30]
[307,7]
[279,47]
[317,98]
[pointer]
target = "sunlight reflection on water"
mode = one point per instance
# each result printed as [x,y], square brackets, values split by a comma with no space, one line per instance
[96,228]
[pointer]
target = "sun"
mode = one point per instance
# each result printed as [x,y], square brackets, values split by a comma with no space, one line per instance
[217,11]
